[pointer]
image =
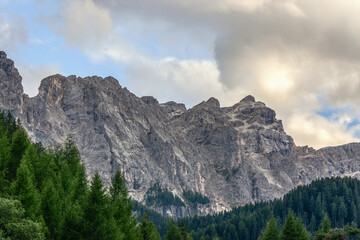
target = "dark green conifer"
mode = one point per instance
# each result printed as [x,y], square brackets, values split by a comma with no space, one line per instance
[173,232]
[325,229]
[19,144]
[271,231]
[294,228]
[99,223]
[147,229]
[122,207]
[24,188]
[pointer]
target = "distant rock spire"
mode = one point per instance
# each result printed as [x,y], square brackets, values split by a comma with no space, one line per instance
[11,89]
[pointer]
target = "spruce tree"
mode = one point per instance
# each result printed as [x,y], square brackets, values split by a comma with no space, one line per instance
[301,233]
[24,188]
[19,144]
[173,232]
[99,223]
[325,229]
[72,156]
[288,231]
[271,231]
[147,229]
[52,210]
[122,207]
[185,233]
[294,228]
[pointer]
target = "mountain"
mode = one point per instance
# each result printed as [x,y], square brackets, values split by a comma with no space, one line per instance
[229,155]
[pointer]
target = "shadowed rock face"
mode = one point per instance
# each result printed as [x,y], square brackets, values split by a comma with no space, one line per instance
[232,155]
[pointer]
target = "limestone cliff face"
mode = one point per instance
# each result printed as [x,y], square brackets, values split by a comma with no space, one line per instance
[232,155]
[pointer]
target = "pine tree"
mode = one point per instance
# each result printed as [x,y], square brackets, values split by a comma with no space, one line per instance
[80,188]
[52,211]
[19,144]
[24,188]
[272,230]
[325,229]
[34,164]
[73,223]
[294,229]
[288,231]
[185,233]
[147,229]
[122,207]
[72,156]
[99,223]
[173,232]
[301,233]
[4,159]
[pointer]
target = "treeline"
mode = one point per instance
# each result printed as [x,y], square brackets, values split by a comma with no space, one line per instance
[337,197]
[195,198]
[44,194]
[294,229]
[159,197]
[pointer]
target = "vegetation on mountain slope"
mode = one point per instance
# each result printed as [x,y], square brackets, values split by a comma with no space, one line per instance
[44,194]
[338,198]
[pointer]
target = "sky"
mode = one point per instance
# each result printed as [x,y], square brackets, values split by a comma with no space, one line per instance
[300,57]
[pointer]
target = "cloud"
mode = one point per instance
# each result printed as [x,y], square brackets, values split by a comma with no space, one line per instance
[32,76]
[290,54]
[12,32]
[83,23]
[187,81]
[317,131]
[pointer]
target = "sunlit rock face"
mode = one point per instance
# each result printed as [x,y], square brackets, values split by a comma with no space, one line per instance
[233,155]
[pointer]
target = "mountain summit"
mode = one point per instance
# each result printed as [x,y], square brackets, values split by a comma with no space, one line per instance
[229,155]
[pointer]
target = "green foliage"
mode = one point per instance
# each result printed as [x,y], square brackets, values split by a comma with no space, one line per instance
[272,230]
[160,221]
[53,199]
[325,229]
[339,198]
[122,207]
[98,221]
[173,232]
[24,188]
[147,230]
[157,196]
[194,198]
[18,146]
[13,223]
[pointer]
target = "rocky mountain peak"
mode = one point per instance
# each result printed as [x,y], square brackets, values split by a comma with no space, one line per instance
[248,99]
[173,109]
[213,103]
[11,88]
[149,100]
[52,87]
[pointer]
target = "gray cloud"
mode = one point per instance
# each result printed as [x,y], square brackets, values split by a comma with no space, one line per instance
[12,32]
[288,53]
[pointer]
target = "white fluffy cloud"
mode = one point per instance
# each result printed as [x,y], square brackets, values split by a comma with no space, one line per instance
[12,33]
[83,23]
[291,54]
[187,81]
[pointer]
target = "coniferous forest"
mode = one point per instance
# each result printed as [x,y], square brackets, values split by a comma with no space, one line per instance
[337,198]
[44,194]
